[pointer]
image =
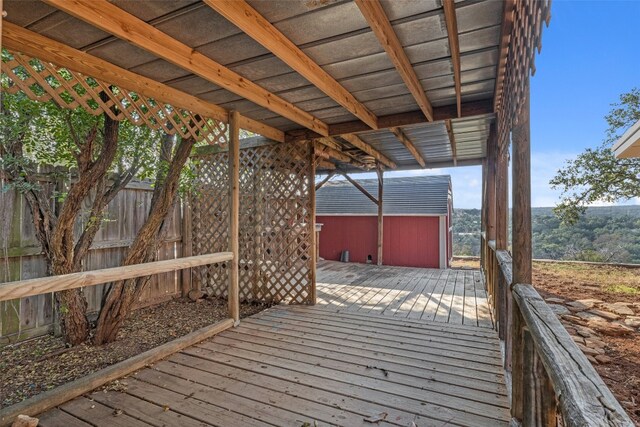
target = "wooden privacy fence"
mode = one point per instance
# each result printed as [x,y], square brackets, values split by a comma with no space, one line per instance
[21,255]
[34,287]
[276,220]
[552,382]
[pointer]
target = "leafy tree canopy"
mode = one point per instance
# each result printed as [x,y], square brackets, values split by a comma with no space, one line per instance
[596,175]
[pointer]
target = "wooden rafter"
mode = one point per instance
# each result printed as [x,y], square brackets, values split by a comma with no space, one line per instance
[360,187]
[33,44]
[327,152]
[325,180]
[242,15]
[325,164]
[357,142]
[404,139]
[379,23]
[454,46]
[112,19]
[452,141]
[469,109]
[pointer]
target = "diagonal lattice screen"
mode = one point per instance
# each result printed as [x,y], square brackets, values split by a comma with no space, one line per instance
[43,81]
[276,221]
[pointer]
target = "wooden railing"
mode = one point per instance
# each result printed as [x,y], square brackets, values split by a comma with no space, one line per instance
[552,382]
[56,396]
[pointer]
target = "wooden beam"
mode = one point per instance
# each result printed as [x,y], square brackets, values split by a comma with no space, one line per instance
[361,188]
[452,141]
[502,197]
[328,151]
[245,17]
[313,256]
[521,193]
[37,46]
[380,173]
[379,23]
[492,147]
[45,285]
[324,164]
[357,142]
[110,18]
[233,297]
[469,109]
[325,180]
[451,20]
[404,139]
[505,38]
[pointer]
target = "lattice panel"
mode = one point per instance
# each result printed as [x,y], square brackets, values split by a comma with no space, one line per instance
[526,37]
[43,81]
[275,222]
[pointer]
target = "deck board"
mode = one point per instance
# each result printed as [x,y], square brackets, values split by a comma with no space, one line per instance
[455,296]
[367,349]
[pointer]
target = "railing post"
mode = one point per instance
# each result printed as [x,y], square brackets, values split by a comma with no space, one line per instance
[234,215]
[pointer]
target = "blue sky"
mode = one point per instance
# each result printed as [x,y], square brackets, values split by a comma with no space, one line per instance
[590,55]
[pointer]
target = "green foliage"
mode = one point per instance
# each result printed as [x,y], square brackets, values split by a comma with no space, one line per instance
[596,175]
[603,234]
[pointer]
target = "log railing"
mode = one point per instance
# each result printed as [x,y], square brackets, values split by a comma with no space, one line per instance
[552,382]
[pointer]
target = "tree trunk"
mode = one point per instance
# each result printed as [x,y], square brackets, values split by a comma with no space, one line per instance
[123,294]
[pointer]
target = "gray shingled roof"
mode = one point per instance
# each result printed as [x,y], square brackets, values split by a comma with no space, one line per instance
[418,195]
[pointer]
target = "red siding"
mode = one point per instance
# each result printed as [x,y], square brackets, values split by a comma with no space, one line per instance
[410,241]
[357,234]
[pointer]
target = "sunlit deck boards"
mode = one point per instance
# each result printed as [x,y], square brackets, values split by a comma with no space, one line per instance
[449,296]
[305,366]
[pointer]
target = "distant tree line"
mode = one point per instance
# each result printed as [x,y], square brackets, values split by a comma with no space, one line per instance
[603,234]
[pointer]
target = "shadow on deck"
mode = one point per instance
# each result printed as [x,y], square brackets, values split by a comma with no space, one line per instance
[305,366]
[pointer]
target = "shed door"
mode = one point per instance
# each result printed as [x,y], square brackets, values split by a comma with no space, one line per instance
[412,241]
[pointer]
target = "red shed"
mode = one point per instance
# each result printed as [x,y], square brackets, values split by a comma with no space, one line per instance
[416,221]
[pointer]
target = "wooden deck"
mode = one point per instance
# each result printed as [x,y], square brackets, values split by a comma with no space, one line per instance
[307,366]
[449,296]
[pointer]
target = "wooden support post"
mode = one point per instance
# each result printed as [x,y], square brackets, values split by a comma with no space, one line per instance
[380,173]
[234,215]
[187,249]
[360,187]
[483,218]
[521,251]
[312,224]
[492,149]
[324,181]
[521,193]
[502,195]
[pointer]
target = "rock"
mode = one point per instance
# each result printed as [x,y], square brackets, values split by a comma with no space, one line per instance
[612,329]
[25,421]
[590,317]
[588,351]
[583,304]
[559,309]
[577,340]
[596,344]
[571,318]
[632,321]
[604,314]
[555,300]
[592,360]
[584,331]
[621,308]
[603,358]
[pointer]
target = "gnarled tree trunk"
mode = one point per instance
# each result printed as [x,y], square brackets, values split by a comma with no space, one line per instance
[123,294]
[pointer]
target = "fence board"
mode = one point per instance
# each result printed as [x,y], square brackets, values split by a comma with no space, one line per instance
[21,257]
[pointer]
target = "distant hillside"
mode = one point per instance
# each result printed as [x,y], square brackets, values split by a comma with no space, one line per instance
[604,234]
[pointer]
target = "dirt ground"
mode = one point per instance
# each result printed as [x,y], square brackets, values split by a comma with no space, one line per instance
[40,364]
[610,284]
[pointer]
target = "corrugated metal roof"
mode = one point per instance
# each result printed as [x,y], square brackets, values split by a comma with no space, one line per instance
[417,195]
[337,37]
